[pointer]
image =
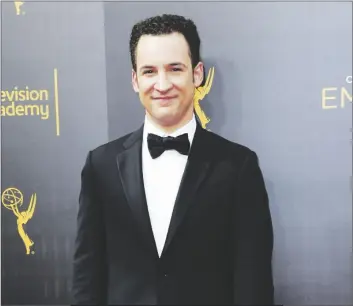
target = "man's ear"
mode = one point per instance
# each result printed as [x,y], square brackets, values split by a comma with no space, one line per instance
[198,74]
[134,81]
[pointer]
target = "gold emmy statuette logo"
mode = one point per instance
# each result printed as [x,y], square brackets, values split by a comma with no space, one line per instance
[200,93]
[12,199]
[18,5]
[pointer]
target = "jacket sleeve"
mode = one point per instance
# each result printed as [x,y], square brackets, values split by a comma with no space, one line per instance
[253,238]
[89,269]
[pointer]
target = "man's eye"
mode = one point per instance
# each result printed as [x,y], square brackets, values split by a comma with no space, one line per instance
[176,69]
[147,71]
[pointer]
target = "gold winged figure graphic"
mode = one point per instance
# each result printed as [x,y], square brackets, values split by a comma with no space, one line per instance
[18,5]
[22,218]
[200,93]
[12,198]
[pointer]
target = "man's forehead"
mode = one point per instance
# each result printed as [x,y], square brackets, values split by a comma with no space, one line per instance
[159,44]
[162,50]
[175,36]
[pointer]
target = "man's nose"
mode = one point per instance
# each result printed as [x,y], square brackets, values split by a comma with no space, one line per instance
[163,83]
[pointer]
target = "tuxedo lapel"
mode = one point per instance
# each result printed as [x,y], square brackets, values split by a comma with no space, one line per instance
[194,175]
[129,163]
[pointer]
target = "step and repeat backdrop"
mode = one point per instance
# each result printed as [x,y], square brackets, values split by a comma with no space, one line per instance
[281,84]
[53,110]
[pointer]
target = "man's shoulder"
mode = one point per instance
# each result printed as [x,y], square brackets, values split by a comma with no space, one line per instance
[110,148]
[229,149]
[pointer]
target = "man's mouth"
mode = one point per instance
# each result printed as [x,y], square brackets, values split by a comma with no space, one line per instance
[164,98]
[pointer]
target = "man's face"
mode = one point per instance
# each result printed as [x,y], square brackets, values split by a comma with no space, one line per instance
[164,78]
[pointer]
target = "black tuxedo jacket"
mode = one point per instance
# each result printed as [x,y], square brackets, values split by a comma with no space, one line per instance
[219,245]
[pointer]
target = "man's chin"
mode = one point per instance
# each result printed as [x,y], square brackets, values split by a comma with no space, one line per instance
[165,117]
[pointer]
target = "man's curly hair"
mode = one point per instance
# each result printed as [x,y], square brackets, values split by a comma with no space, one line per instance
[166,24]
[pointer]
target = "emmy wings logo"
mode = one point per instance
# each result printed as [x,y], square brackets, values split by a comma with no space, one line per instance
[26,101]
[337,97]
[12,199]
[19,8]
[200,93]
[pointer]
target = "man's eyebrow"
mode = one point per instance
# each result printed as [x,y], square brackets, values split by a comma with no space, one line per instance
[177,64]
[146,67]
[171,64]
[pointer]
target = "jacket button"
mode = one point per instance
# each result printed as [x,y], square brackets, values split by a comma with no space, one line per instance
[166,275]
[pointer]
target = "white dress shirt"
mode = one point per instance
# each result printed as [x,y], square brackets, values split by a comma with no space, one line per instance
[162,177]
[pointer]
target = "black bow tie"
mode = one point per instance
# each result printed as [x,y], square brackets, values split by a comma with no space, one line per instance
[157,144]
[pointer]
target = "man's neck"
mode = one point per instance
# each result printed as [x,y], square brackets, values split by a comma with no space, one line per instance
[169,129]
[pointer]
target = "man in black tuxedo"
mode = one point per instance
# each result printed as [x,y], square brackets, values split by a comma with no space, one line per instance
[172,213]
